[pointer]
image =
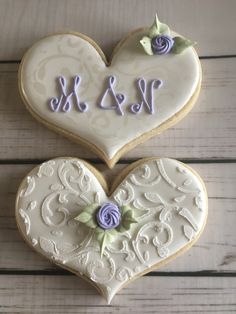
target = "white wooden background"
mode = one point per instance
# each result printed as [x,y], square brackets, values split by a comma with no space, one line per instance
[204,279]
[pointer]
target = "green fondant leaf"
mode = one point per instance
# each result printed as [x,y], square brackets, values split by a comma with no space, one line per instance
[88,216]
[154,29]
[99,230]
[180,44]
[158,28]
[124,209]
[99,235]
[128,214]
[111,236]
[164,29]
[112,232]
[127,223]
[120,228]
[146,43]
[103,243]
[91,223]
[83,217]
[128,219]
[106,239]
[91,208]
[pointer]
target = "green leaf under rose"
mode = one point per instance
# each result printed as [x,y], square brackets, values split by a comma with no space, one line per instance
[158,28]
[147,45]
[106,236]
[180,44]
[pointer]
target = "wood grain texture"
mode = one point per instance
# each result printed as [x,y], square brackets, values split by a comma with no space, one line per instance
[208,22]
[207,132]
[53,294]
[216,246]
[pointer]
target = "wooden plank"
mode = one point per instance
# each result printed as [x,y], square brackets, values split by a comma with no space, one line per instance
[215,250]
[207,132]
[59,294]
[208,22]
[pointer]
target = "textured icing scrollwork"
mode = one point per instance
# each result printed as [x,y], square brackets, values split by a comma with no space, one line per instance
[164,175]
[49,213]
[143,238]
[124,250]
[97,198]
[75,182]
[83,258]
[46,169]
[189,232]
[34,241]
[154,197]
[57,233]
[142,211]
[123,273]
[66,247]
[25,219]
[74,173]
[179,199]
[125,194]
[48,246]
[182,188]
[184,212]
[198,201]
[101,270]
[30,185]
[144,177]
[32,205]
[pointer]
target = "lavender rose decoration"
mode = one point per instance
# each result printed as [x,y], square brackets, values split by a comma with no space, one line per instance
[108,216]
[162,44]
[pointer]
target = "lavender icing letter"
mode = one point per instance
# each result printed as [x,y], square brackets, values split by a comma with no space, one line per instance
[118,98]
[142,87]
[64,101]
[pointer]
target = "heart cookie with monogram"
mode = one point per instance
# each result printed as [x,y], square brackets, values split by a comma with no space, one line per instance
[155,210]
[150,83]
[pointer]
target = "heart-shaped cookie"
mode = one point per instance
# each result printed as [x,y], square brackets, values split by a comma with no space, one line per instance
[156,209]
[67,83]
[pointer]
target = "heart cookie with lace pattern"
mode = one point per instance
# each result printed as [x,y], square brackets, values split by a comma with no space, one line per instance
[156,210]
[151,82]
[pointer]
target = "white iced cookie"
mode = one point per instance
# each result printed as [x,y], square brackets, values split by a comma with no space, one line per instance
[156,209]
[151,82]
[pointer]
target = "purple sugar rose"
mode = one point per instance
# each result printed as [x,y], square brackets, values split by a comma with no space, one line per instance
[162,44]
[108,216]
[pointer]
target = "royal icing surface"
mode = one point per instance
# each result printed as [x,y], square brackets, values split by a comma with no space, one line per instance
[65,82]
[168,200]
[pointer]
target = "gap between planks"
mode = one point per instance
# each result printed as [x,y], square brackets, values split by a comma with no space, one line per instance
[62,272]
[120,162]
